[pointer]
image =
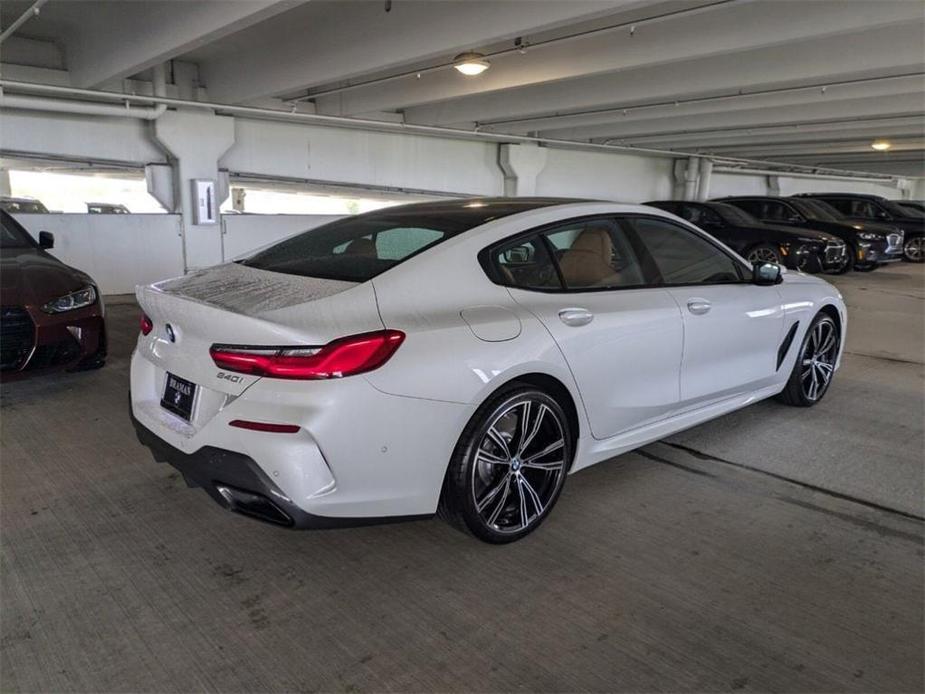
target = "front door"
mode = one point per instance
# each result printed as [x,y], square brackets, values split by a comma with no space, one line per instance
[622,340]
[732,328]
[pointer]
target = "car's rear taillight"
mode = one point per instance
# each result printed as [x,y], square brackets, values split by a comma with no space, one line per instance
[343,357]
[146,324]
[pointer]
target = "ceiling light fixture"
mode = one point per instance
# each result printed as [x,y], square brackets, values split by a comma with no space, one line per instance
[880,145]
[471,64]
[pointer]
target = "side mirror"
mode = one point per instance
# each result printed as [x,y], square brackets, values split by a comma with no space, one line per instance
[795,219]
[46,240]
[766,274]
[883,215]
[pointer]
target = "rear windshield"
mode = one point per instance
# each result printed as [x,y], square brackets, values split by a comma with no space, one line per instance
[355,249]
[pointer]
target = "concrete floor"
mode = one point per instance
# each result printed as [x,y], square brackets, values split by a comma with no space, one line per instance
[770,550]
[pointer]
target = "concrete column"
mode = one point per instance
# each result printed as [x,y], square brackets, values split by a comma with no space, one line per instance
[706,174]
[690,178]
[521,165]
[196,141]
[5,188]
[773,185]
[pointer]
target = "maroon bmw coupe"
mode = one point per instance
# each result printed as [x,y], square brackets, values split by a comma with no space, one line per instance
[51,315]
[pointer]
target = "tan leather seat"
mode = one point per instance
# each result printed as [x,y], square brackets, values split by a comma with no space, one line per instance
[589,262]
[362,246]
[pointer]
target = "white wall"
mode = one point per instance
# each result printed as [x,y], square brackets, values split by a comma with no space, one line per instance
[723,184]
[118,251]
[917,190]
[599,175]
[338,155]
[246,232]
[79,137]
[385,160]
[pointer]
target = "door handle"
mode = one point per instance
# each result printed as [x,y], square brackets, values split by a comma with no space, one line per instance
[575,317]
[699,306]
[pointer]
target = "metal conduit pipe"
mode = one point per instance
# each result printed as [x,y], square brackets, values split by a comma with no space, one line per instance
[815,172]
[706,176]
[38,103]
[431,130]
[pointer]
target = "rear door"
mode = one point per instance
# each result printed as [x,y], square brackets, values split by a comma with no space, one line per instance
[621,338]
[732,328]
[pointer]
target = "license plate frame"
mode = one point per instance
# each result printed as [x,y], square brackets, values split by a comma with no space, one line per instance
[179,396]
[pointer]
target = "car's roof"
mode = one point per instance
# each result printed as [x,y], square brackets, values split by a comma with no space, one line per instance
[471,213]
[682,202]
[485,207]
[869,196]
[749,197]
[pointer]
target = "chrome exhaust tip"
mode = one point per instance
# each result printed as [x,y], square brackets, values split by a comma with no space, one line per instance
[253,505]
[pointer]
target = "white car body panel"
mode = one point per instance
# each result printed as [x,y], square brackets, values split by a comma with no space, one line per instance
[626,361]
[378,444]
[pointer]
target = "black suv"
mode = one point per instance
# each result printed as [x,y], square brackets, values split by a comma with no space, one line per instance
[869,244]
[858,207]
[798,249]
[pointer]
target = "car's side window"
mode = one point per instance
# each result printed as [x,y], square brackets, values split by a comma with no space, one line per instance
[690,213]
[867,209]
[703,216]
[754,207]
[777,212]
[595,254]
[683,257]
[842,205]
[525,263]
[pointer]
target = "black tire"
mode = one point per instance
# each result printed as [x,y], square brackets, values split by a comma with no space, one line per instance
[763,252]
[850,258]
[914,250]
[507,489]
[815,363]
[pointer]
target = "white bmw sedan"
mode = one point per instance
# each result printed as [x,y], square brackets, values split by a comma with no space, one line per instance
[463,358]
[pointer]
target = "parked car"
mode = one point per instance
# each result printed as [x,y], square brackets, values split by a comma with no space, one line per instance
[463,356]
[803,249]
[916,205]
[870,244]
[22,205]
[51,315]
[106,208]
[874,208]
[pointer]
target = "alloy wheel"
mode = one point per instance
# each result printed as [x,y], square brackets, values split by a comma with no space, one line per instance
[763,254]
[820,351]
[519,466]
[915,249]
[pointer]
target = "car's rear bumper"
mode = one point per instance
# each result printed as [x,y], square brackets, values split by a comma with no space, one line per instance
[357,452]
[237,483]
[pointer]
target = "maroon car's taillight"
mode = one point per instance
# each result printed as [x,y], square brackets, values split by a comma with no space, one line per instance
[343,357]
[146,324]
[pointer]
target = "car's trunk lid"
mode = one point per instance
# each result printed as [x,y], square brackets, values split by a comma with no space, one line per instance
[237,305]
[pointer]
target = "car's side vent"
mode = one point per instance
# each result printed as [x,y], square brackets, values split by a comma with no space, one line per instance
[785,345]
